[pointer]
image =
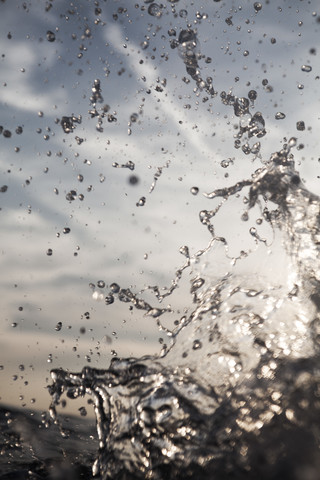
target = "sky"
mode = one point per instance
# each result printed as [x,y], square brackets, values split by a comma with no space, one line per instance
[172,134]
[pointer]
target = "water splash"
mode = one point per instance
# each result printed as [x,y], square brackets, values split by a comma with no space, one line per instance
[189,51]
[240,369]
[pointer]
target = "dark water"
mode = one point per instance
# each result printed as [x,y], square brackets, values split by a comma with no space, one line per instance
[235,392]
[29,450]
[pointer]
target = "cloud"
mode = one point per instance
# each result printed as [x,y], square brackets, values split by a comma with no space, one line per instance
[25,90]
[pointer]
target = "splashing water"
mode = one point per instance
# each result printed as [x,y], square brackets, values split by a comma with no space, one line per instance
[241,370]
[234,392]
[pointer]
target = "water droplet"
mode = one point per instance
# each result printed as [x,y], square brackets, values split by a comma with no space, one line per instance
[96,96]
[155,312]
[58,326]
[141,202]
[124,295]
[115,288]
[292,142]
[225,163]
[241,106]
[196,345]
[67,124]
[194,190]
[252,94]
[154,10]
[279,116]
[83,411]
[256,126]
[134,117]
[101,284]
[301,125]
[51,36]
[255,149]
[306,68]
[66,230]
[109,299]
[197,283]
[184,250]
[257,6]
[6,133]
[144,45]
[49,252]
